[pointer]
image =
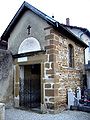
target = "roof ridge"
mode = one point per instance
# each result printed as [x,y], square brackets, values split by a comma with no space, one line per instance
[26,6]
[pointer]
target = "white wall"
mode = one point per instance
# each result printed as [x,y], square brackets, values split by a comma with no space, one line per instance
[19,33]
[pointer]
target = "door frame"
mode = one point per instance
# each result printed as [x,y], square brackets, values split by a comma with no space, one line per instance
[17,80]
[23,101]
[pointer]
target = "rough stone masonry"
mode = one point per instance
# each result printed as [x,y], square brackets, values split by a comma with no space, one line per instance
[59,76]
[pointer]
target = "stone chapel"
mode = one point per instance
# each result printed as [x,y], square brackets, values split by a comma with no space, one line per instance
[41,60]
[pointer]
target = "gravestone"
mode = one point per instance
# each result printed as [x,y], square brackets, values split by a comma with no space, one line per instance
[71,97]
[78,92]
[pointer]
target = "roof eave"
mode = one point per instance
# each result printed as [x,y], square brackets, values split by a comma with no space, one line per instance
[71,36]
[60,28]
[85,30]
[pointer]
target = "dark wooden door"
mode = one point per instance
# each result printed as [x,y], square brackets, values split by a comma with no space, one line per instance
[30,94]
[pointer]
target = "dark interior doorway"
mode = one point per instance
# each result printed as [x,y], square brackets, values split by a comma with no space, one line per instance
[30,86]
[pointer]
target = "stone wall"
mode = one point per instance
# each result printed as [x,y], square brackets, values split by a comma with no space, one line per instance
[59,77]
[6,77]
[56,75]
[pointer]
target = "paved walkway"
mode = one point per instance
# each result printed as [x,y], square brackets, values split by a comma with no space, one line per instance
[16,114]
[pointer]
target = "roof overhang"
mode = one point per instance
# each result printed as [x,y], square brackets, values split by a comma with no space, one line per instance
[84,30]
[25,6]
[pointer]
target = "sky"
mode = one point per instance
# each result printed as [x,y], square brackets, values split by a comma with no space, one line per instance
[78,11]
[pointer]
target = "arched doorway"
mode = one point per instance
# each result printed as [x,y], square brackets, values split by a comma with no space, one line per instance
[29,75]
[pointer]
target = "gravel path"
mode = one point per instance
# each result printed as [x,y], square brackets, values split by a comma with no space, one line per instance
[16,114]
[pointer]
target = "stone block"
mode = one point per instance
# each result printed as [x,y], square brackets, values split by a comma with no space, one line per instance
[51,99]
[16,91]
[47,65]
[55,32]
[52,57]
[50,47]
[56,85]
[52,51]
[50,71]
[56,37]
[49,92]
[47,85]
[54,42]
[51,36]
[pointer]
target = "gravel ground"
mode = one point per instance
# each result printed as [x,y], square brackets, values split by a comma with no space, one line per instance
[16,114]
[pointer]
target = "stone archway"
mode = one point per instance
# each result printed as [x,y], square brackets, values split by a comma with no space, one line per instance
[28,75]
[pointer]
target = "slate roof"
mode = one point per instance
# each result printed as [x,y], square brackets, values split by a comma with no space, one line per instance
[56,25]
[84,30]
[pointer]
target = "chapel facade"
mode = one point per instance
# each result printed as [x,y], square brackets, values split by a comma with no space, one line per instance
[44,61]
